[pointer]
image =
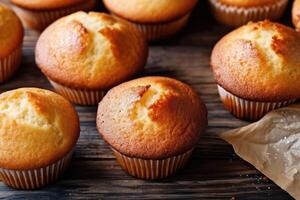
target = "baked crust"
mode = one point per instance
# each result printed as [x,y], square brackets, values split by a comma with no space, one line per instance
[260,62]
[150,11]
[37,128]
[91,51]
[46,4]
[12,32]
[248,3]
[151,118]
[296,14]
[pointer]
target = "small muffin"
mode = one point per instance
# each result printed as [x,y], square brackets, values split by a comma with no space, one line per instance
[156,18]
[239,12]
[38,132]
[11,40]
[296,14]
[85,54]
[38,14]
[257,68]
[152,125]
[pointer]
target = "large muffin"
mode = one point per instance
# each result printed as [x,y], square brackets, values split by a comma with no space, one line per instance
[38,14]
[239,12]
[85,54]
[156,18]
[259,63]
[296,14]
[11,39]
[152,119]
[38,131]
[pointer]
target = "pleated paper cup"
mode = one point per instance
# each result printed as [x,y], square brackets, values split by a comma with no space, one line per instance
[235,16]
[160,31]
[152,169]
[10,64]
[248,110]
[79,96]
[35,178]
[39,20]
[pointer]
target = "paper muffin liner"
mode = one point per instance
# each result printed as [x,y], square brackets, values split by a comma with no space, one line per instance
[235,16]
[152,169]
[160,31]
[39,20]
[248,110]
[79,96]
[35,178]
[10,64]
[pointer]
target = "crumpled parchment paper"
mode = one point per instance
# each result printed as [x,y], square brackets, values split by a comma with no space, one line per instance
[272,145]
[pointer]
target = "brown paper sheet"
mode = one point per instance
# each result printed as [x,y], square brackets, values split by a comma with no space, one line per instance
[272,145]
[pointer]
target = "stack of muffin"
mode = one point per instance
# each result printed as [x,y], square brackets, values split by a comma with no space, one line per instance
[152,123]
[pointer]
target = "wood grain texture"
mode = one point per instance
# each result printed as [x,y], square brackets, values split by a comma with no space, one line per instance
[214,172]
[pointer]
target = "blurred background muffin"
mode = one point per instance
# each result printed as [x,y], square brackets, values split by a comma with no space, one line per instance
[38,14]
[38,132]
[11,40]
[239,12]
[296,14]
[152,125]
[85,54]
[156,18]
[257,68]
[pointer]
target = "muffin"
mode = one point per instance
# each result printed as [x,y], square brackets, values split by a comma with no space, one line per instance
[39,14]
[85,54]
[257,68]
[296,14]
[239,12]
[11,39]
[38,132]
[152,125]
[156,18]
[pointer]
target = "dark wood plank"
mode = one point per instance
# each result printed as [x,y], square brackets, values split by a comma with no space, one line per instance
[200,179]
[215,172]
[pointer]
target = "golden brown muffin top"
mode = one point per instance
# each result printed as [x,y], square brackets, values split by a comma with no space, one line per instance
[11,34]
[46,4]
[150,11]
[259,61]
[248,3]
[296,14]
[91,51]
[37,128]
[151,118]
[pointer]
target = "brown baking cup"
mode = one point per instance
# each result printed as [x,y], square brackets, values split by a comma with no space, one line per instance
[35,178]
[79,96]
[152,169]
[235,16]
[39,20]
[163,30]
[248,110]
[10,64]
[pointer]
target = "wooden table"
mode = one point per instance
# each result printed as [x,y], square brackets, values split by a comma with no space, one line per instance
[214,172]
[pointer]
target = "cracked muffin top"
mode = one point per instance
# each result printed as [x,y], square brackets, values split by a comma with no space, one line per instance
[91,51]
[37,128]
[151,118]
[259,61]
